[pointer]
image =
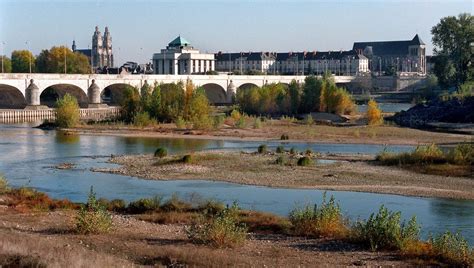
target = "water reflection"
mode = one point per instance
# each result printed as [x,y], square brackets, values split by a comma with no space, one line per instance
[66,137]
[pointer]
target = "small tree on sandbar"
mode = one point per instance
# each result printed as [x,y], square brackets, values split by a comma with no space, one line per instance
[67,111]
[374,114]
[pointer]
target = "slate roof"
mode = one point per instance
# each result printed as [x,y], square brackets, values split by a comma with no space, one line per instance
[178,42]
[246,55]
[87,52]
[381,48]
[292,56]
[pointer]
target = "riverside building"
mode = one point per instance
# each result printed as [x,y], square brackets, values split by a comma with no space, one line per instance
[179,57]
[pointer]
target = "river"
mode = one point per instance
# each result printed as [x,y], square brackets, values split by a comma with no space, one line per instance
[27,157]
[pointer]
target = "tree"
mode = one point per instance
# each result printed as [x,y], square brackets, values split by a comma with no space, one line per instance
[21,61]
[294,91]
[188,95]
[452,38]
[311,94]
[67,111]
[199,110]
[7,65]
[130,103]
[54,60]
[374,114]
[155,102]
[172,101]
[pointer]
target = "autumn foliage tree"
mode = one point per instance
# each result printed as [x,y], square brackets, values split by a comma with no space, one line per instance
[374,114]
[67,111]
[21,60]
[55,59]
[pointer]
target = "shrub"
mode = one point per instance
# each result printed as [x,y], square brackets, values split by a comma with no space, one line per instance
[293,150]
[385,230]
[175,204]
[180,123]
[304,161]
[145,205]
[262,149]
[463,154]
[93,218]
[187,159]
[67,111]
[325,220]
[240,123]
[284,137]
[218,121]
[374,114]
[211,207]
[235,115]
[280,149]
[161,152]
[309,120]
[430,154]
[142,119]
[453,249]
[117,205]
[257,123]
[281,160]
[308,152]
[3,185]
[221,231]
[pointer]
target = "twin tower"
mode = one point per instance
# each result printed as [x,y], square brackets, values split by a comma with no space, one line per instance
[101,54]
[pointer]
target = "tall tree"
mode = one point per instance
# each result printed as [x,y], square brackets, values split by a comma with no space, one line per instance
[55,59]
[294,91]
[7,64]
[22,60]
[453,38]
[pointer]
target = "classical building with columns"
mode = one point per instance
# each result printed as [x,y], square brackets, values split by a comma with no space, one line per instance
[179,57]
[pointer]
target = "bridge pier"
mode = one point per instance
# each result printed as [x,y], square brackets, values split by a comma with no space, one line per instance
[32,95]
[230,93]
[93,94]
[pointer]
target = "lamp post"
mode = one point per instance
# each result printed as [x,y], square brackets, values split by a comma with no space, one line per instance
[29,54]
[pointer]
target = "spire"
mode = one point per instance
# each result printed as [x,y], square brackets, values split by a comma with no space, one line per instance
[73,45]
[417,41]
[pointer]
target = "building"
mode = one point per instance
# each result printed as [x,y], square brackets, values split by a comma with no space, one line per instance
[101,54]
[179,57]
[293,63]
[395,57]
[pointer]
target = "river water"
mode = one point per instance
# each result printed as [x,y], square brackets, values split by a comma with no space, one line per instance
[28,154]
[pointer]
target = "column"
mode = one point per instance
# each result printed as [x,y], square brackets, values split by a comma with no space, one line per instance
[190,66]
[175,67]
[213,67]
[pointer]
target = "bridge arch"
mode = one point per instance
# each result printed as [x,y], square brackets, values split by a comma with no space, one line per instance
[215,93]
[49,95]
[113,94]
[11,97]
[246,86]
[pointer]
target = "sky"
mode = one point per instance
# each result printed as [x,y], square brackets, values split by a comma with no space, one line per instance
[140,28]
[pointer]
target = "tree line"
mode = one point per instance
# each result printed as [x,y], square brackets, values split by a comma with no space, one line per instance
[314,95]
[53,60]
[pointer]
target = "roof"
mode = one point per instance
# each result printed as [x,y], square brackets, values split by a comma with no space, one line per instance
[178,42]
[87,52]
[389,47]
[291,56]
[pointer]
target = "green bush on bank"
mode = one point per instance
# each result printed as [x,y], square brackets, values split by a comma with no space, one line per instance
[222,230]
[93,218]
[67,111]
[304,161]
[262,149]
[161,152]
[453,249]
[386,231]
[317,221]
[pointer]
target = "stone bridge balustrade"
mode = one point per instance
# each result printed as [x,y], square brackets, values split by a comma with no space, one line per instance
[219,88]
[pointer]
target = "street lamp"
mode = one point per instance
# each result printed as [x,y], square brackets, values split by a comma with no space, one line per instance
[29,54]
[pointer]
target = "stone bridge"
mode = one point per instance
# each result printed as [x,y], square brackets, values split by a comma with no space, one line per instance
[91,90]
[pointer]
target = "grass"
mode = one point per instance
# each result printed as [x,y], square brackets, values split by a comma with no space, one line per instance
[92,218]
[432,160]
[386,231]
[319,221]
[221,231]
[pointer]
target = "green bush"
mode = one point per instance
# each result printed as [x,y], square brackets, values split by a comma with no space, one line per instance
[142,119]
[3,185]
[293,150]
[187,159]
[304,161]
[67,111]
[221,230]
[144,205]
[281,160]
[453,249]
[161,152]
[463,154]
[280,149]
[309,120]
[309,152]
[262,149]
[211,207]
[257,123]
[92,218]
[241,122]
[218,121]
[422,155]
[180,123]
[175,204]
[284,137]
[385,230]
[117,205]
[325,220]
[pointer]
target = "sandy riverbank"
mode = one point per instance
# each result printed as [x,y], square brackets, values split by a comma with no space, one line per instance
[349,173]
[273,129]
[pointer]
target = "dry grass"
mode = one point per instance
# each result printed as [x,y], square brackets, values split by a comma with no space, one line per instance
[25,199]
[172,217]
